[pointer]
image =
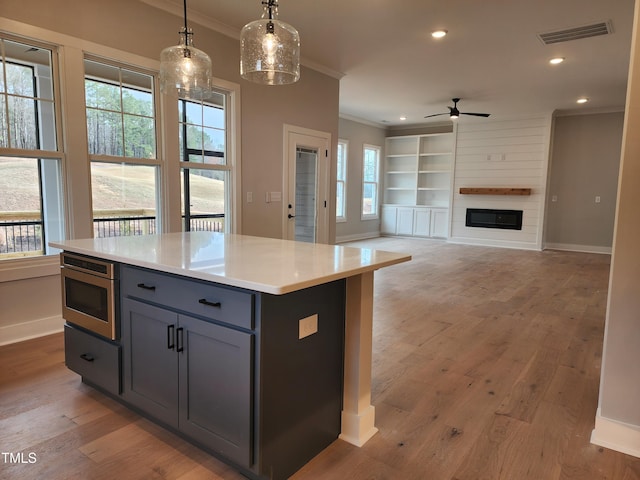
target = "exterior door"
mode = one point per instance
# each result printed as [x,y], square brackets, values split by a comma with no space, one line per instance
[306,196]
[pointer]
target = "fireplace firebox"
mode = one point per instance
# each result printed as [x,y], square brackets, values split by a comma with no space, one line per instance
[490,218]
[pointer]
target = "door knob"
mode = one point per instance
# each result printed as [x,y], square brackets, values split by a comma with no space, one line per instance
[291,216]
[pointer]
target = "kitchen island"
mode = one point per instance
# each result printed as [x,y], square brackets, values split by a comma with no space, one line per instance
[269,342]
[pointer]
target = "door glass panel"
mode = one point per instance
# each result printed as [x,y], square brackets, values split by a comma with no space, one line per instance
[306,172]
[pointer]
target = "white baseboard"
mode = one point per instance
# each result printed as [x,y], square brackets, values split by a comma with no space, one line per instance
[33,329]
[617,436]
[494,243]
[357,236]
[578,248]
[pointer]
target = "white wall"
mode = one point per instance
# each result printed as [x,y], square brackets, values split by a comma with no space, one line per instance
[502,153]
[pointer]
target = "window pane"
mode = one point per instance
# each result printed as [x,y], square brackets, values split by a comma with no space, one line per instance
[20,211]
[204,143]
[137,102]
[102,95]
[30,206]
[119,104]
[27,113]
[139,137]
[213,117]
[22,123]
[104,130]
[124,199]
[206,205]
[20,80]
[340,199]
[369,201]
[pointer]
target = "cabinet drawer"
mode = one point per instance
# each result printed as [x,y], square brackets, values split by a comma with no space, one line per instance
[194,297]
[97,360]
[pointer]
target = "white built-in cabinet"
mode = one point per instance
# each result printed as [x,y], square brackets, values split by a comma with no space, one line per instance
[417,185]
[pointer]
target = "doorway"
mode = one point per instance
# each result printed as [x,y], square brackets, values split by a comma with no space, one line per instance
[306,198]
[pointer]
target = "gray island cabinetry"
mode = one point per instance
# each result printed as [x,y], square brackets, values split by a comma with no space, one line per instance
[256,350]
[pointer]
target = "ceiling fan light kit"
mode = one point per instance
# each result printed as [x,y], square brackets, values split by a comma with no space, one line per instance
[454,113]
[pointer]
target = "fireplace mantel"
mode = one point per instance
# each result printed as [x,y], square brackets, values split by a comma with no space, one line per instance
[494,191]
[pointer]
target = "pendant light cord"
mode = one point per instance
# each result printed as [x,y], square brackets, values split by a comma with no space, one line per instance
[185,17]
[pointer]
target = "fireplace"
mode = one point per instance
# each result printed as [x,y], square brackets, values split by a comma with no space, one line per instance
[489,218]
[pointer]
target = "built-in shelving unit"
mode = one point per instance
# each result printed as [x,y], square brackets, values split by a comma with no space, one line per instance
[418,174]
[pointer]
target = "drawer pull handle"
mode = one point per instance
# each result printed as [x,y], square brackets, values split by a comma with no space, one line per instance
[171,337]
[146,287]
[180,346]
[87,357]
[206,302]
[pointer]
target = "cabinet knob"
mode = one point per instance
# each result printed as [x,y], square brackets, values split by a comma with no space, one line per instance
[87,357]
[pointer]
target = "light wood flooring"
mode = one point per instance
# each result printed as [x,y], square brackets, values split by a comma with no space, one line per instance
[486,367]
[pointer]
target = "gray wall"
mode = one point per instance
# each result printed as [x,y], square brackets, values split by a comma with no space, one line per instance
[584,164]
[620,379]
[358,134]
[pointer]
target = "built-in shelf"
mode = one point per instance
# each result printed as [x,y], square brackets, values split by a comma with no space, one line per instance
[494,191]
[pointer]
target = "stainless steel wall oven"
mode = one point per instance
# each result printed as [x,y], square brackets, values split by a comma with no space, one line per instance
[89,293]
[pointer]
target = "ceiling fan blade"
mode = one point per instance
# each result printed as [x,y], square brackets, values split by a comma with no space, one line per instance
[475,114]
[436,115]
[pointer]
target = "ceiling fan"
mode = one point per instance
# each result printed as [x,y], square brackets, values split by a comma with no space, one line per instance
[455,113]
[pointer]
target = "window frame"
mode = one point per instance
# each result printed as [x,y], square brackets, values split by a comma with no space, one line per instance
[156,161]
[376,205]
[39,263]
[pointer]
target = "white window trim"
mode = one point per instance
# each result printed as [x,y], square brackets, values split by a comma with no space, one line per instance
[376,215]
[343,218]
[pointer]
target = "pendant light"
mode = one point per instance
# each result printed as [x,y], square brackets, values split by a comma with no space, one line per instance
[185,71]
[270,49]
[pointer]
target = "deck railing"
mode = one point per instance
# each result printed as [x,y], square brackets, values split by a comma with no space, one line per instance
[21,232]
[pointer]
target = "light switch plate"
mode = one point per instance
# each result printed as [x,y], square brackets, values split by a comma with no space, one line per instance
[307,326]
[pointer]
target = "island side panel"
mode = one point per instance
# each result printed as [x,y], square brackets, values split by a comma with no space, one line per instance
[300,382]
[358,415]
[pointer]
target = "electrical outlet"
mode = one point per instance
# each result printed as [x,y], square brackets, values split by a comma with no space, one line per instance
[307,326]
[597,198]
[249,197]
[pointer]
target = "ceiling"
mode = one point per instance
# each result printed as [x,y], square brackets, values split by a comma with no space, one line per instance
[492,57]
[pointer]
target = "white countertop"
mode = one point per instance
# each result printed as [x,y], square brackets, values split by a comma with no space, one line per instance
[262,264]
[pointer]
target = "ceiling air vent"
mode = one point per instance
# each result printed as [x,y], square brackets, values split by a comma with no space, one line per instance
[576,33]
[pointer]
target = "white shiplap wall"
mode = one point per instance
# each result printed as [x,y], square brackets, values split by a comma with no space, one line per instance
[502,153]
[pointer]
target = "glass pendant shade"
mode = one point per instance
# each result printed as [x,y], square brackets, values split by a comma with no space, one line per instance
[185,71]
[270,50]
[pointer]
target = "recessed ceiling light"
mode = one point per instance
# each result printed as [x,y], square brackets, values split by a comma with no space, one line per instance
[556,60]
[438,33]
[582,100]
[403,118]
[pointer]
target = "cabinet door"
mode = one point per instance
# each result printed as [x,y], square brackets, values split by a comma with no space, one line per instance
[421,222]
[405,221]
[439,223]
[150,359]
[388,224]
[215,387]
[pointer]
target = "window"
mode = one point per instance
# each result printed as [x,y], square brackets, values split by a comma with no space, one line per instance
[370,180]
[121,136]
[31,212]
[205,169]
[341,182]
